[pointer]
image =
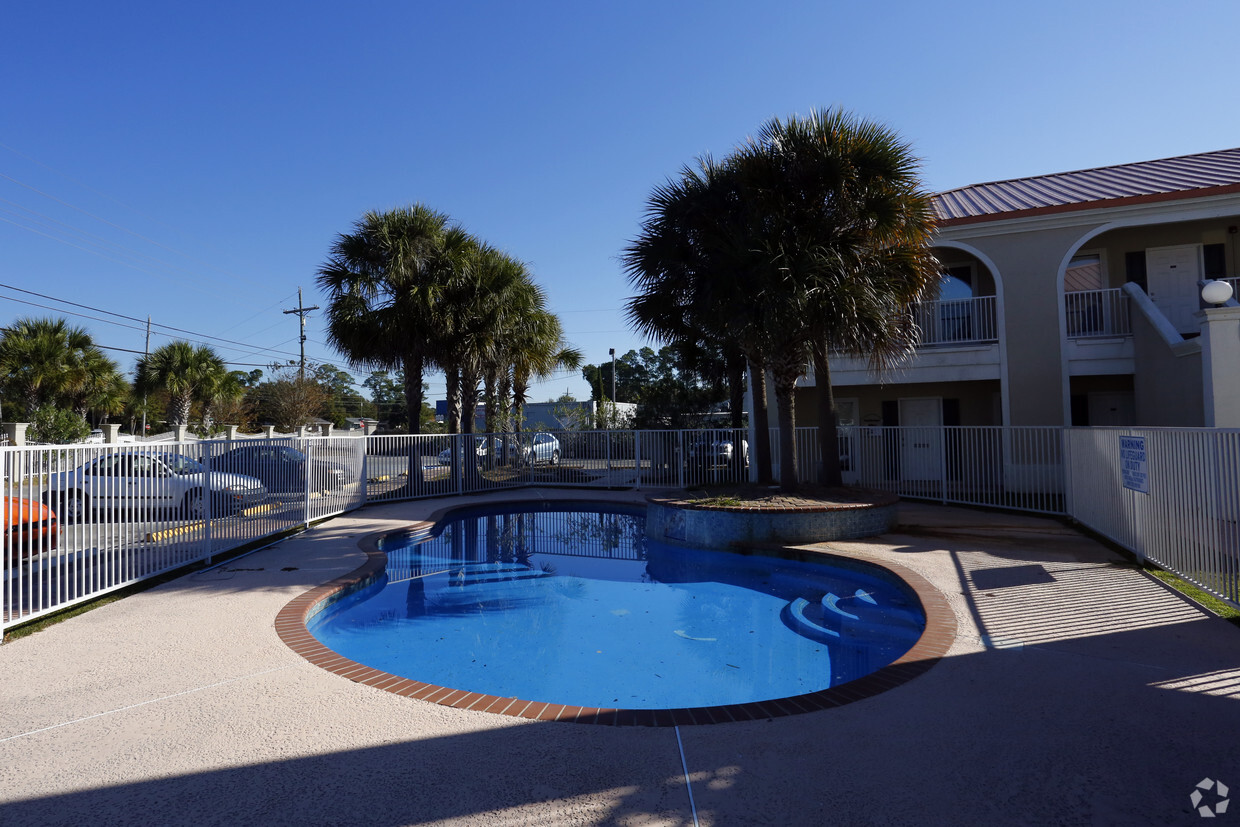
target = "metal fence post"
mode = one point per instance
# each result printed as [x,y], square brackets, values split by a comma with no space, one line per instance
[365,469]
[637,460]
[206,498]
[305,449]
[943,464]
[681,458]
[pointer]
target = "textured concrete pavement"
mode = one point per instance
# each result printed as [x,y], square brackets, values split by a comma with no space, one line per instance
[1078,691]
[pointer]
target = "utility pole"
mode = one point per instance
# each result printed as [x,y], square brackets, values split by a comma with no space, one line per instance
[302,311]
[612,353]
[146,354]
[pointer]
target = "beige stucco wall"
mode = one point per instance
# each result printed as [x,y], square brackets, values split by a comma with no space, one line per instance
[1027,269]
[1167,387]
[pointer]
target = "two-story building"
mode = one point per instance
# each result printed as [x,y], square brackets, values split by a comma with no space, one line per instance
[1071,298]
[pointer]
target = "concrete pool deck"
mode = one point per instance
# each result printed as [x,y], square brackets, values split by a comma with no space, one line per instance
[1078,690]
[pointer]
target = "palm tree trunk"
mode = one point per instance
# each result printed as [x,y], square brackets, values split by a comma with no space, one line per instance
[469,399]
[413,365]
[453,379]
[178,409]
[520,388]
[736,389]
[785,369]
[490,402]
[829,473]
[761,422]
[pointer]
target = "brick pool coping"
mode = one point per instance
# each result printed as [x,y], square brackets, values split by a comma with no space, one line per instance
[290,625]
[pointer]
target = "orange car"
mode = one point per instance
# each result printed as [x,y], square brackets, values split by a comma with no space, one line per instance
[29,528]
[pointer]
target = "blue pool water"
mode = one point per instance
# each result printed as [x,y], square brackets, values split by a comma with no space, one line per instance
[579,607]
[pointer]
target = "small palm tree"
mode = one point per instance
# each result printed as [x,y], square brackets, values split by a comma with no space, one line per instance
[48,362]
[186,373]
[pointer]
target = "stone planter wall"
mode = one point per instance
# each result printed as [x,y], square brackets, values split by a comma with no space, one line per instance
[715,527]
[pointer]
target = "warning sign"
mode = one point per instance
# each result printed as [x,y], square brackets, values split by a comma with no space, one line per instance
[1134,463]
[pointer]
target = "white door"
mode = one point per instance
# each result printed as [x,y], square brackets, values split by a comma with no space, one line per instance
[921,436]
[1172,274]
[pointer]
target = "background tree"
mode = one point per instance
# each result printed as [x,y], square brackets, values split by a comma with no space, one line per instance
[387,394]
[289,400]
[48,362]
[187,374]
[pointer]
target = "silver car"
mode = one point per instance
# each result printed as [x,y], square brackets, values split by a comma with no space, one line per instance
[544,448]
[142,483]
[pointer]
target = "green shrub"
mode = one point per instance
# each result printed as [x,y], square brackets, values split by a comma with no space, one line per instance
[58,426]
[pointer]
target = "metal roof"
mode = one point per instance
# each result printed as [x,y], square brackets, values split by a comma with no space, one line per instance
[1091,187]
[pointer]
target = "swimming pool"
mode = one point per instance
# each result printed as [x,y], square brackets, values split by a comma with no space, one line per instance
[573,605]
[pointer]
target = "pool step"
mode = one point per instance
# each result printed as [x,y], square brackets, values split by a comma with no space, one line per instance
[474,573]
[861,620]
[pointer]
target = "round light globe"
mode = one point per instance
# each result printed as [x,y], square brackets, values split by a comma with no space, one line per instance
[1216,292]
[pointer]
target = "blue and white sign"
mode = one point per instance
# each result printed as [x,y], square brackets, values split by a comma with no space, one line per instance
[1134,464]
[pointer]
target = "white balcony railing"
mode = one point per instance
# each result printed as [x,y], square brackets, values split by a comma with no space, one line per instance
[957,321]
[1097,313]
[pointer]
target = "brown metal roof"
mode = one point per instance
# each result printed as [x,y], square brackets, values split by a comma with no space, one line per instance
[1168,178]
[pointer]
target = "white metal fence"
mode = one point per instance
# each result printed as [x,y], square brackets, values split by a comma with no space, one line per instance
[1169,495]
[86,520]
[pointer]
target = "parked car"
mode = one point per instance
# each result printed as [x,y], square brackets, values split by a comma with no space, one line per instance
[29,528]
[544,448]
[718,448]
[283,468]
[149,481]
[483,447]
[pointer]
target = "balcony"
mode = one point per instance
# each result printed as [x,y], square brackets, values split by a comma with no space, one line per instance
[957,321]
[1097,313]
[959,342]
[1099,328]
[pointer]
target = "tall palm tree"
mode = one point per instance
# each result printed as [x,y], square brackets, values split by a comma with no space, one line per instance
[848,242]
[695,267]
[385,282]
[186,373]
[812,237]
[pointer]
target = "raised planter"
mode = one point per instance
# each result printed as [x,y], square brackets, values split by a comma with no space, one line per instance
[708,525]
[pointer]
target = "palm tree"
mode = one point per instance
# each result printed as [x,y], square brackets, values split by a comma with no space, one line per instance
[48,362]
[385,282]
[695,265]
[812,237]
[186,373]
[537,349]
[847,238]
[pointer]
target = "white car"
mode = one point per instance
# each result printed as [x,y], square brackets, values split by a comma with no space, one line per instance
[142,483]
[544,448]
[719,448]
[483,446]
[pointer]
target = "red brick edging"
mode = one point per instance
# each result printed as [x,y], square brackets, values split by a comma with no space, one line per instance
[940,631]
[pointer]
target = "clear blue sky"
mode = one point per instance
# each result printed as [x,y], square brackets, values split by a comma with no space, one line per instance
[194,162]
